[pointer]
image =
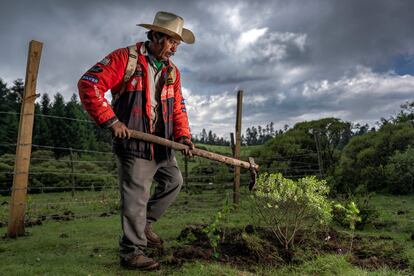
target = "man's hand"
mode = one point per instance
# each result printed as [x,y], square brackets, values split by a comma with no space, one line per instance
[186,141]
[120,130]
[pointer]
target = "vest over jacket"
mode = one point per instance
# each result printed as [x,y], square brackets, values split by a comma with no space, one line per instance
[131,100]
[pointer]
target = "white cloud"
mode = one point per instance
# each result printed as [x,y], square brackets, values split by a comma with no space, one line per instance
[249,37]
[364,82]
[280,97]
[270,48]
[293,74]
[233,16]
[215,112]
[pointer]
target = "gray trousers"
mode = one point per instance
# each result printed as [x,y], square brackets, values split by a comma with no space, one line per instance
[137,207]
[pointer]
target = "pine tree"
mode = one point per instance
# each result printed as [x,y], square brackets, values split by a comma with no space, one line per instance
[9,120]
[203,136]
[42,134]
[210,139]
[79,132]
[58,127]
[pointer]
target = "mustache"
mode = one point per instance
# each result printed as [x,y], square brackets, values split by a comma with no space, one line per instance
[167,52]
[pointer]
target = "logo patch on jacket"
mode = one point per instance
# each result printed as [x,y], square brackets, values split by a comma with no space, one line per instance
[169,76]
[96,69]
[138,73]
[90,78]
[105,61]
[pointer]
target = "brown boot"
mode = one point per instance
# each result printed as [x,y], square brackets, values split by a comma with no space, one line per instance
[153,240]
[140,262]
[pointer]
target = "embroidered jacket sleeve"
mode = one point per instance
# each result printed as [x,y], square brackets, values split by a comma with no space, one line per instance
[105,75]
[180,119]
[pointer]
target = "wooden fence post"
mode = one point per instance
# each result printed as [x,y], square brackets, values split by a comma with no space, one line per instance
[24,143]
[236,186]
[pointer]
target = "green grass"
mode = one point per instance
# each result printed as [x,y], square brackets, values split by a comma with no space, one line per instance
[89,246]
[399,225]
[214,148]
[245,151]
[397,209]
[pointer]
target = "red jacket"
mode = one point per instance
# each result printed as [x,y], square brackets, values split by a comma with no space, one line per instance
[131,100]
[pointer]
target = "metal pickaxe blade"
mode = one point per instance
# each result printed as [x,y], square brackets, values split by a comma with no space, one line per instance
[253,173]
[251,165]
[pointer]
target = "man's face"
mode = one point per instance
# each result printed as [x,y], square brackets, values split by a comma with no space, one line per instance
[166,48]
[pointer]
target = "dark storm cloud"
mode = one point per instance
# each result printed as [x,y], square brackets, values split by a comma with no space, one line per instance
[294,59]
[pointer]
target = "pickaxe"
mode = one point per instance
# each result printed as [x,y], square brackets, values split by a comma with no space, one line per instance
[251,165]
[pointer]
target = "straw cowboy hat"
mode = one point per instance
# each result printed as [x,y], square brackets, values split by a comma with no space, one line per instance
[172,25]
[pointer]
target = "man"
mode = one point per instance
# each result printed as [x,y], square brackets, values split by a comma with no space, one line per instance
[146,98]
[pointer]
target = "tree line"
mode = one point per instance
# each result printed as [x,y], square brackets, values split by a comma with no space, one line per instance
[57,124]
[254,135]
[352,157]
[53,131]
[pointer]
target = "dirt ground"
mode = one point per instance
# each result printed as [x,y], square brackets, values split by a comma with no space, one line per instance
[245,248]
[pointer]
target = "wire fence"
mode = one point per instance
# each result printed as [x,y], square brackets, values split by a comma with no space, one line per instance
[84,182]
[48,116]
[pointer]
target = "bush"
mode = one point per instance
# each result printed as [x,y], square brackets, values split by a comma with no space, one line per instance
[288,206]
[399,172]
[372,161]
[368,214]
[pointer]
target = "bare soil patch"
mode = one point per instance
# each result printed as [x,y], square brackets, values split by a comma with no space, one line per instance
[248,247]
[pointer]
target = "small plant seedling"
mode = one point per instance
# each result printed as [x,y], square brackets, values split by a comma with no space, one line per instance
[351,218]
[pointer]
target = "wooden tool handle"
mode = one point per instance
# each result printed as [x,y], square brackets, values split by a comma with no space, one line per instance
[198,152]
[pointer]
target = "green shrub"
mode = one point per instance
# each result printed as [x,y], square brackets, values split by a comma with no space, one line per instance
[289,206]
[399,172]
[367,212]
[372,160]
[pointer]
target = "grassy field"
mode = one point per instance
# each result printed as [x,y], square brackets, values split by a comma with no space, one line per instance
[79,236]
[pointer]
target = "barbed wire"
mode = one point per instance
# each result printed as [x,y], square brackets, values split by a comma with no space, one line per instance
[32,204]
[60,148]
[73,161]
[49,116]
[69,216]
[7,145]
[60,172]
[67,188]
[71,149]
[258,159]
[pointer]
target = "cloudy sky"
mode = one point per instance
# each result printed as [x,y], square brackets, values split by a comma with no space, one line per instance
[295,60]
